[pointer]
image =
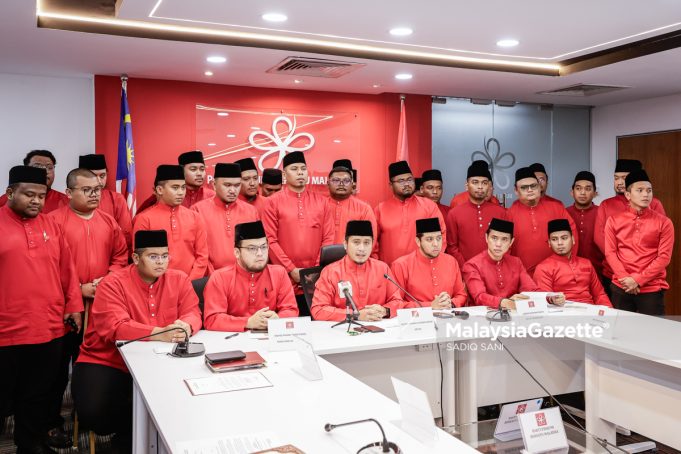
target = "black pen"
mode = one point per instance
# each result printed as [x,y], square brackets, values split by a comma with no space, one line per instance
[232,335]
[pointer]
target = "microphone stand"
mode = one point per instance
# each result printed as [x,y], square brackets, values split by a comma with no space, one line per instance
[386,446]
[351,314]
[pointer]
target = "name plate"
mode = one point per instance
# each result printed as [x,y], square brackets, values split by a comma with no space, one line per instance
[543,431]
[536,305]
[507,427]
[281,331]
[416,322]
[603,317]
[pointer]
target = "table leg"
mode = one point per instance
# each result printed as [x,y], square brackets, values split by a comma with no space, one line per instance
[595,425]
[448,384]
[466,390]
[140,423]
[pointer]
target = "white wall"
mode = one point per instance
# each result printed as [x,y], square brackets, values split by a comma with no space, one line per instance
[637,117]
[53,113]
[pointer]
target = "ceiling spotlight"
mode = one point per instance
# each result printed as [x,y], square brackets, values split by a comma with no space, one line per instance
[274,17]
[211,144]
[507,42]
[223,114]
[216,59]
[401,31]
[231,136]
[403,76]
[376,85]
[297,81]
[336,141]
[208,73]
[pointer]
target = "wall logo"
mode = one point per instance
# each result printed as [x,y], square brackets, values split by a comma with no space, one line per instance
[497,161]
[278,143]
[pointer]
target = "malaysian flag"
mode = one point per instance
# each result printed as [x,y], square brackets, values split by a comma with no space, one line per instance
[126,154]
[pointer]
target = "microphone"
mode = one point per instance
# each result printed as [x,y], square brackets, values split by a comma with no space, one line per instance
[386,446]
[184,349]
[345,288]
[385,275]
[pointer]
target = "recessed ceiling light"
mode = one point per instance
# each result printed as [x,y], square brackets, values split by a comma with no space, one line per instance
[401,31]
[216,59]
[274,17]
[208,73]
[223,114]
[376,85]
[231,136]
[507,42]
[297,81]
[211,144]
[254,128]
[336,141]
[403,76]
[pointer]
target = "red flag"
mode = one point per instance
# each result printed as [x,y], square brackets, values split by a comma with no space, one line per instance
[402,142]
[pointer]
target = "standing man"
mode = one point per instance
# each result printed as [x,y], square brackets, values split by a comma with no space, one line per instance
[298,223]
[222,213]
[98,247]
[112,203]
[583,213]
[343,205]
[194,170]
[246,294]
[187,235]
[396,217]
[531,214]
[272,182]
[543,179]
[495,278]
[431,187]
[638,248]
[462,197]
[467,223]
[376,298]
[249,184]
[427,274]
[145,298]
[615,205]
[43,159]
[566,272]
[39,292]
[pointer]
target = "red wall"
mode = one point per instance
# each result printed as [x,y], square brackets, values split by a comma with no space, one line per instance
[163,124]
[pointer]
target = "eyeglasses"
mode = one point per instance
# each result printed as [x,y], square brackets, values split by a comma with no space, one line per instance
[527,187]
[43,166]
[158,258]
[255,249]
[341,181]
[404,181]
[88,191]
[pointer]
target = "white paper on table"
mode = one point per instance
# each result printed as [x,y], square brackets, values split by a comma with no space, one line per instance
[233,381]
[259,336]
[164,348]
[238,444]
[417,417]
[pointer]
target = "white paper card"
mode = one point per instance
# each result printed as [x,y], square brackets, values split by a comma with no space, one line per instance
[417,417]
[532,306]
[282,330]
[543,430]
[416,322]
[603,317]
[227,382]
[309,367]
[507,428]
[238,444]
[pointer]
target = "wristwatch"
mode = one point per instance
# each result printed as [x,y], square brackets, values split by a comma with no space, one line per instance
[387,312]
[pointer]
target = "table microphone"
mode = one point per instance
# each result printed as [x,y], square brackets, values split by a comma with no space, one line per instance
[184,349]
[385,275]
[345,288]
[386,446]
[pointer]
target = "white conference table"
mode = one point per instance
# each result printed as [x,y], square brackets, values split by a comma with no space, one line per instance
[165,413]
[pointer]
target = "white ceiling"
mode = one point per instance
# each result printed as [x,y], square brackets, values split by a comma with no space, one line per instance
[545,30]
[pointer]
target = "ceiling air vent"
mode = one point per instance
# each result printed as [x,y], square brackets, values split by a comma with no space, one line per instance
[583,90]
[314,67]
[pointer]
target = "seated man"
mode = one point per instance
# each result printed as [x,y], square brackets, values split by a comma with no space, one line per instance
[567,272]
[246,294]
[493,277]
[375,297]
[144,298]
[427,274]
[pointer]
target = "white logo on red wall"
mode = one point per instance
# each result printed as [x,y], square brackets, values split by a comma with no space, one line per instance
[279,143]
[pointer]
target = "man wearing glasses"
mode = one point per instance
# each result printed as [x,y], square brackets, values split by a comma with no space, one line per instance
[396,217]
[43,159]
[112,203]
[145,298]
[98,247]
[345,206]
[248,293]
[222,213]
[543,180]
[530,215]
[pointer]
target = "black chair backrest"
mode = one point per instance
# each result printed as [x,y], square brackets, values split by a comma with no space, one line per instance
[308,279]
[331,253]
[199,285]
